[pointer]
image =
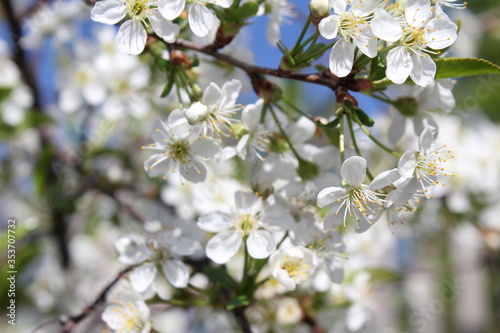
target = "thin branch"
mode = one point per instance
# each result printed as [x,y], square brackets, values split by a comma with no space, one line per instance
[325,78]
[70,323]
[239,314]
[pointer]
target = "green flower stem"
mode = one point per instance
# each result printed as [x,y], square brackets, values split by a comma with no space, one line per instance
[378,143]
[301,36]
[355,143]
[313,37]
[387,49]
[295,108]
[305,56]
[383,99]
[246,268]
[341,140]
[178,302]
[284,134]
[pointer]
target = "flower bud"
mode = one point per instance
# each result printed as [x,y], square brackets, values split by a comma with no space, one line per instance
[408,106]
[307,170]
[196,113]
[319,8]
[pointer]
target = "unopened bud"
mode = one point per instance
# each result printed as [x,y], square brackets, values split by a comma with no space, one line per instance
[178,57]
[307,170]
[196,113]
[319,8]
[408,106]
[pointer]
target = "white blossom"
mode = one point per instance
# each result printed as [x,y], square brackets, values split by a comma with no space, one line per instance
[252,222]
[179,151]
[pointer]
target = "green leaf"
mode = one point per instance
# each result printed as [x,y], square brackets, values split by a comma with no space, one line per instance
[169,85]
[331,124]
[364,118]
[220,275]
[361,115]
[4,93]
[377,70]
[383,275]
[460,67]
[242,300]
[282,47]
[315,52]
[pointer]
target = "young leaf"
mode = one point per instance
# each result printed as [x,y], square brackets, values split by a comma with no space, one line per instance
[459,67]
[364,118]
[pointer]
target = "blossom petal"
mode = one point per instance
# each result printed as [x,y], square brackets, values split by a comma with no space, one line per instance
[330,195]
[384,179]
[223,246]
[426,139]
[407,163]
[167,30]
[212,95]
[302,130]
[201,19]
[332,219]
[329,26]
[215,221]
[424,69]
[342,58]
[366,42]
[251,115]
[131,37]
[397,128]
[171,9]
[260,244]
[353,170]
[205,148]
[142,276]
[339,6]
[230,92]
[442,32]
[417,12]
[176,272]
[399,65]
[334,269]
[403,192]
[222,3]
[385,27]
[108,12]
[247,202]
[193,171]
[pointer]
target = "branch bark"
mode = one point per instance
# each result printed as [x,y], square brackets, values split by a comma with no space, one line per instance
[325,79]
[69,323]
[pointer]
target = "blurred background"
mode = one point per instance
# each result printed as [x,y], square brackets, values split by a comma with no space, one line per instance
[74,113]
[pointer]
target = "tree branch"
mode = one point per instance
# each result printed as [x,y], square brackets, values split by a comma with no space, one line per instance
[325,78]
[69,323]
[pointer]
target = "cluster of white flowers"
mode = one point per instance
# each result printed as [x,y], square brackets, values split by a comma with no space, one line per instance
[265,198]
[413,30]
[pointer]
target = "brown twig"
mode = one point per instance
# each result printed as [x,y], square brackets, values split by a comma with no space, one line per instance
[58,216]
[69,323]
[325,79]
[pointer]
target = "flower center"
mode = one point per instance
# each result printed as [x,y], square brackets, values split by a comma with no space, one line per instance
[179,151]
[138,9]
[350,25]
[246,224]
[295,268]
[413,38]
